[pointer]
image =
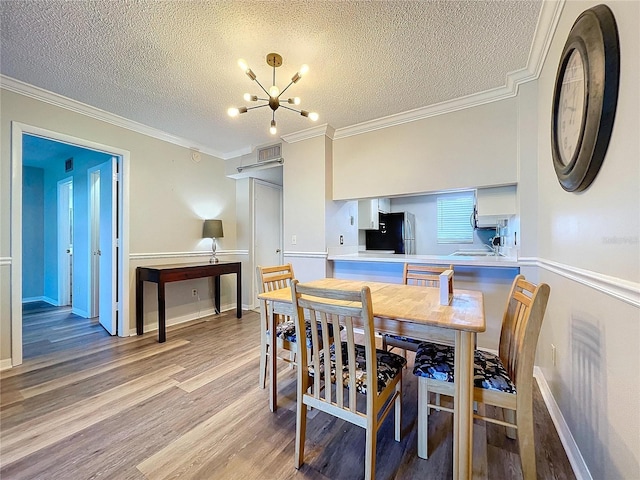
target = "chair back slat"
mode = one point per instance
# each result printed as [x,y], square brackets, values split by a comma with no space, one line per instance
[423,275]
[270,279]
[332,309]
[521,327]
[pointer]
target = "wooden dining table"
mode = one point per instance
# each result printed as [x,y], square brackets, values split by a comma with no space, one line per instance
[412,311]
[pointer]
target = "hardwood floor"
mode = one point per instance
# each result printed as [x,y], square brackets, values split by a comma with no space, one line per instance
[86,405]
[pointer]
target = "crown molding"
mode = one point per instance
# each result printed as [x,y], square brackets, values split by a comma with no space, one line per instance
[22,88]
[545,28]
[321,130]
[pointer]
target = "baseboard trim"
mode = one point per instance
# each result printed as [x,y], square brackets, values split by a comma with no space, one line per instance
[576,459]
[153,327]
[5,364]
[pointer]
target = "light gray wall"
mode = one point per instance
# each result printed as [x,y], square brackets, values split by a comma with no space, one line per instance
[596,380]
[170,195]
[425,209]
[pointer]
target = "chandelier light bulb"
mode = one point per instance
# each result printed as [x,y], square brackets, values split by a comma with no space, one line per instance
[294,101]
[304,69]
[274,91]
[233,112]
[272,129]
[313,116]
[243,65]
[250,98]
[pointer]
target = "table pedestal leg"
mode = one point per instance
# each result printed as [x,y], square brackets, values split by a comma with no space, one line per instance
[463,406]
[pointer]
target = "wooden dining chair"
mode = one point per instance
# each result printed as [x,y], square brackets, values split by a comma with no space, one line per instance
[349,366]
[423,275]
[504,380]
[269,279]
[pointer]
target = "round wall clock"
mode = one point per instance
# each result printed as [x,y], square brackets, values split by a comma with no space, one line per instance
[584,98]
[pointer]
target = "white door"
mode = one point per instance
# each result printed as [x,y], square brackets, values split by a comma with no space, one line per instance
[108,241]
[65,241]
[267,211]
[94,241]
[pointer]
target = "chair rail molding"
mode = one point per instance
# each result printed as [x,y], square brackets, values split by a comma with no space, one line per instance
[197,253]
[306,254]
[623,290]
[5,260]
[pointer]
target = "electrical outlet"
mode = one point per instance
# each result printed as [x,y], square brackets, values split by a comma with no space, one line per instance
[341,240]
[194,293]
[553,354]
[294,239]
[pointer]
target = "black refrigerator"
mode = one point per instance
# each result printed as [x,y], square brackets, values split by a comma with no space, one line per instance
[396,233]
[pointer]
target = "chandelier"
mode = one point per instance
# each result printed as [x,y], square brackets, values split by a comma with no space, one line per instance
[274,94]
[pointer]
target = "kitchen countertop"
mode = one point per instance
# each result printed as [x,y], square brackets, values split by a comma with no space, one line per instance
[369,256]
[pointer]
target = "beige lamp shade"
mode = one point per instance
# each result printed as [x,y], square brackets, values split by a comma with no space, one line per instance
[212,229]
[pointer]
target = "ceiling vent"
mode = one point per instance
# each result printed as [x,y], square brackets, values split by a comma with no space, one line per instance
[270,153]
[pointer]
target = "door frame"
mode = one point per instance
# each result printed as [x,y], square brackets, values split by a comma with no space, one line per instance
[64,269]
[18,129]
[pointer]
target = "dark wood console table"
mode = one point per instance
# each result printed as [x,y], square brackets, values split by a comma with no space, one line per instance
[162,274]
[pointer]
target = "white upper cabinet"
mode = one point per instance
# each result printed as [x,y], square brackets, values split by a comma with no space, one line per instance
[497,201]
[368,212]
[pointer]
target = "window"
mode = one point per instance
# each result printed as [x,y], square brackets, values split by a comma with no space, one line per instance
[454,218]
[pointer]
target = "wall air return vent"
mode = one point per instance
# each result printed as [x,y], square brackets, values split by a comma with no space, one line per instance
[272,152]
[266,156]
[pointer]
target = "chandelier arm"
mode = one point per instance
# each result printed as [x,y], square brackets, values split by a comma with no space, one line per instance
[289,108]
[285,89]
[257,106]
[263,89]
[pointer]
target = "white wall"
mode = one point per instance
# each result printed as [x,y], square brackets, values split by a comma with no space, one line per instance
[304,198]
[464,149]
[588,244]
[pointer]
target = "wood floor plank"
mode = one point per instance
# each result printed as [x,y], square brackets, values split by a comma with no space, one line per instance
[88,373]
[31,436]
[103,407]
[220,370]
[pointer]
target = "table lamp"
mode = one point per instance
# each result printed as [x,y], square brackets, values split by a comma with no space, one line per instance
[212,229]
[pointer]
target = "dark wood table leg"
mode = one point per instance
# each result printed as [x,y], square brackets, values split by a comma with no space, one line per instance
[139,309]
[238,294]
[216,292]
[162,333]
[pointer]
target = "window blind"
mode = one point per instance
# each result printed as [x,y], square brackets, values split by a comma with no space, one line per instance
[454,214]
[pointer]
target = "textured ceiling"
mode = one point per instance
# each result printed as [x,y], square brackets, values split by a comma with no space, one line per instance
[172,65]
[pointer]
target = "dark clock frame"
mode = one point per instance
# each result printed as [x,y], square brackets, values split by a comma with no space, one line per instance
[595,36]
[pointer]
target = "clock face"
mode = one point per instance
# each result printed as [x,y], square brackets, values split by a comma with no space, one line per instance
[571,107]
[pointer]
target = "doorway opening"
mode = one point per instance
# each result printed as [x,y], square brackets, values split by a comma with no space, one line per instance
[67,279]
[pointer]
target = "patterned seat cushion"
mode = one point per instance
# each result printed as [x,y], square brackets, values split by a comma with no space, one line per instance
[389,365]
[436,361]
[404,339]
[287,331]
